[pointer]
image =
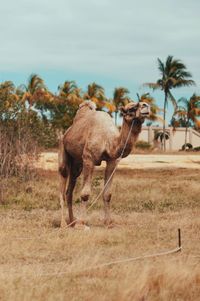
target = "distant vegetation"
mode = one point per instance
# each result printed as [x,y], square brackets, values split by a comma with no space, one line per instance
[32,116]
[173,74]
[143,145]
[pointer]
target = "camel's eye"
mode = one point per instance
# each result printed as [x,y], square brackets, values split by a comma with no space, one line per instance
[133,109]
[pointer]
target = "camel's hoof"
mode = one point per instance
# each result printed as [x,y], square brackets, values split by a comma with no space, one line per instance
[81,226]
[108,222]
[86,228]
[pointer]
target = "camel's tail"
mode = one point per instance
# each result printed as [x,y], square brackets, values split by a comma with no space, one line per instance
[62,159]
[63,169]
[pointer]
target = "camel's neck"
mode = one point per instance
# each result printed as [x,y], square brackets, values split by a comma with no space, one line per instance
[132,138]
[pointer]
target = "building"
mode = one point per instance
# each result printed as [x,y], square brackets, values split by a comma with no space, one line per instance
[176,137]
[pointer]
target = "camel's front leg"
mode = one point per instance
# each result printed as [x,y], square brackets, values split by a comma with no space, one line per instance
[88,168]
[107,190]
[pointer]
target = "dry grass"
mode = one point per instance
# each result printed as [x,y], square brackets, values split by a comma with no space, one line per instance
[42,262]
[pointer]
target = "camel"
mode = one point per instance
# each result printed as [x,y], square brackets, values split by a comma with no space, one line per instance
[91,139]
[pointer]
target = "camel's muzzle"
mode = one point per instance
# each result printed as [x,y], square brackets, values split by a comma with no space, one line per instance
[145,109]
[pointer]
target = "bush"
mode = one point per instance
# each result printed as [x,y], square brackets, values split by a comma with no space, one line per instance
[143,145]
[18,150]
[196,149]
[187,146]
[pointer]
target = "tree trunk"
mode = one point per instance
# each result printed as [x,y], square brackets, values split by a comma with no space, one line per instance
[186,131]
[165,105]
[116,118]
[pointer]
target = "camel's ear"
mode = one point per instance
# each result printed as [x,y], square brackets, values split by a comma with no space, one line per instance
[123,110]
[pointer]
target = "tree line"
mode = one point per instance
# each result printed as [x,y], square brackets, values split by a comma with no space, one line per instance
[44,113]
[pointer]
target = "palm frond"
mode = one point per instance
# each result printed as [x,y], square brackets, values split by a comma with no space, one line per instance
[168,65]
[161,67]
[173,100]
[120,96]
[154,86]
[184,83]
[180,112]
[184,101]
[196,111]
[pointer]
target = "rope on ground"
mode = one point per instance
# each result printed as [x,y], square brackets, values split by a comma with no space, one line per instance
[111,263]
[125,260]
[115,262]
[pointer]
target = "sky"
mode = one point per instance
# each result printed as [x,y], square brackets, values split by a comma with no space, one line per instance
[111,42]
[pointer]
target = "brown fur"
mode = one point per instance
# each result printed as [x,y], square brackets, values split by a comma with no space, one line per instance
[91,139]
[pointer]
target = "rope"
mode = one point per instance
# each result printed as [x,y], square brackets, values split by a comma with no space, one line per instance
[178,249]
[111,263]
[107,264]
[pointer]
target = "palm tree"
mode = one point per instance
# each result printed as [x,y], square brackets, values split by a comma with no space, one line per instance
[9,103]
[155,110]
[187,112]
[65,104]
[96,93]
[7,88]
[120,98]
[70,92]
[160,135]
[173,75]
[34,89]
[67,88]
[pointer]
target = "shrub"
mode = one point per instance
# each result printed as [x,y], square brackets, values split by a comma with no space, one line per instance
[142,145]
[187,146]
[18,149]
[196,149]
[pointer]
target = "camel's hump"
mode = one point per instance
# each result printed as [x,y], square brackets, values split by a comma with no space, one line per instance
[88,103]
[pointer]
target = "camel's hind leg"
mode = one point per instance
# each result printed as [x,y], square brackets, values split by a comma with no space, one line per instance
[88,168]
[75,171]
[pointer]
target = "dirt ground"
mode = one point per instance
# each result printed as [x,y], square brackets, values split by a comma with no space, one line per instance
[48,161]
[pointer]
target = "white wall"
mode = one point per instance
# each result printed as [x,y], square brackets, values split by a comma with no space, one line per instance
[177,137]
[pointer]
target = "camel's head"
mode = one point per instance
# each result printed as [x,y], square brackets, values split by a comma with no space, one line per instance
[133,111]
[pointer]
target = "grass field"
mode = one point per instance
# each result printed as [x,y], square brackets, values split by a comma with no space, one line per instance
[40,261]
